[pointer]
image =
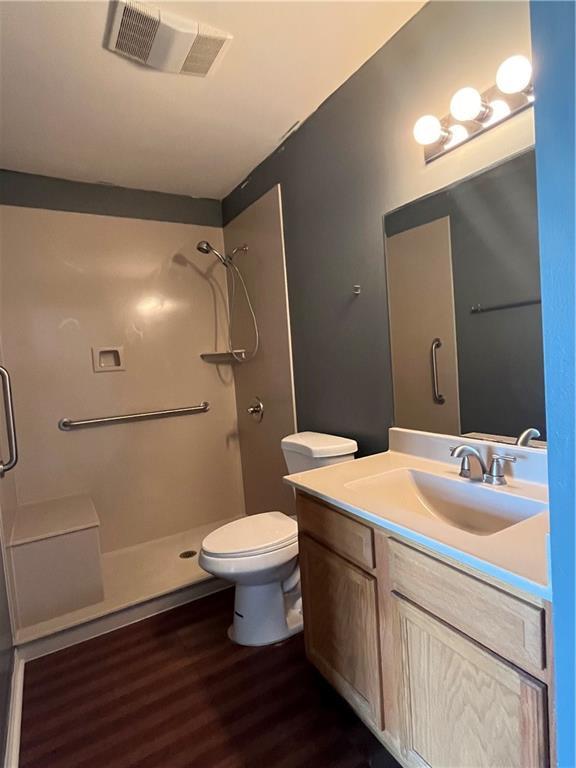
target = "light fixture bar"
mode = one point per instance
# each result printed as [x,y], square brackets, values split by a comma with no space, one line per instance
[513,102]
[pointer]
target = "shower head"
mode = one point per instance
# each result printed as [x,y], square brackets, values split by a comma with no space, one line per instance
[205,247]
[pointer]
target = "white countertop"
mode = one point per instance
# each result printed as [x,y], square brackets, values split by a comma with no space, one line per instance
[516,555]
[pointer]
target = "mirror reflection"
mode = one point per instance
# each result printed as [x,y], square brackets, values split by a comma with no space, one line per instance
[464,306]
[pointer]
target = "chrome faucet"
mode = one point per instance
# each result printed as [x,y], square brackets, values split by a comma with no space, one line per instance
[466,452]
[493,476]
[529,434]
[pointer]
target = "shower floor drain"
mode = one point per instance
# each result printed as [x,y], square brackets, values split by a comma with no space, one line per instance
[187,554]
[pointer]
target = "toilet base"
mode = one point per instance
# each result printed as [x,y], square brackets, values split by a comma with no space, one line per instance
[264,614]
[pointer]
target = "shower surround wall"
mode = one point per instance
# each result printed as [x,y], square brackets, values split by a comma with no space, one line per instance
[76,281]
[6,636]
[7,655]
[269,374]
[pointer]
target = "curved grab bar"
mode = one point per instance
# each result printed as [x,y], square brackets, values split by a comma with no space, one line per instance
[10,424]
[436,396]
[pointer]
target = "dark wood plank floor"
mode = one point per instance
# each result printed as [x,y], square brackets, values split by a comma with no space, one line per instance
[174,692]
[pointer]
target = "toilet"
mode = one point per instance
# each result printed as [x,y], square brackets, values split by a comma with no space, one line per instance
[259,553]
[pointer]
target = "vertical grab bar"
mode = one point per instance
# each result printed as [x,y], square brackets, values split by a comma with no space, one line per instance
[436,396]
[10,425]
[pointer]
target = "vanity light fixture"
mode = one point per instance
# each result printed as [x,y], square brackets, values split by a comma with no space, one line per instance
[457,134]
[428,130]
[467,104]
[514,75]
[499,110]
[473,112]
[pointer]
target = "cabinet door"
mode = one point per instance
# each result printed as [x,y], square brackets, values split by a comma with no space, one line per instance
[341,625]
[464,707]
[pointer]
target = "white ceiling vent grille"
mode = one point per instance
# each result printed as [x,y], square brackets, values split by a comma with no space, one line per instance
[138,27]
[204,52]
[164,40]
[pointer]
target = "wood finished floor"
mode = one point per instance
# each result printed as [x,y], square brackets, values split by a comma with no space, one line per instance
[174,692]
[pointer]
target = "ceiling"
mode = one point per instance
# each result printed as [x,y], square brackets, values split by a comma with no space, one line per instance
[74,110]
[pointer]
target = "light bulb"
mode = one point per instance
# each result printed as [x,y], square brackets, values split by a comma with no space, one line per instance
[499,110]
[457,135]
[514,74]
[466,104]
[427,130]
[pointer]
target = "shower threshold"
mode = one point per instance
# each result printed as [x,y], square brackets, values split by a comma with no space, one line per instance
[138,581]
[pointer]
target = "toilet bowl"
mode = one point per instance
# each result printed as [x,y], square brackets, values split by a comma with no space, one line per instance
[259,553]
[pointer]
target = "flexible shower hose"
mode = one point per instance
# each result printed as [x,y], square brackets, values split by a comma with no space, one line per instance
[252,355]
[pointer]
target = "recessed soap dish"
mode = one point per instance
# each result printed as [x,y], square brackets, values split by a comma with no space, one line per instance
[107,359]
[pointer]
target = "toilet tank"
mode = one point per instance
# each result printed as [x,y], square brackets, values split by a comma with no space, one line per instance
[311,450]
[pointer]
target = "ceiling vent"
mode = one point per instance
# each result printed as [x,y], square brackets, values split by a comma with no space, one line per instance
[164,40]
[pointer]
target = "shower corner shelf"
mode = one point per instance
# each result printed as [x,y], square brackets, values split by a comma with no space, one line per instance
[224,358]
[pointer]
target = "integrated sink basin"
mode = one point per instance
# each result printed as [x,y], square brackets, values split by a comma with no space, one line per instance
[469,506]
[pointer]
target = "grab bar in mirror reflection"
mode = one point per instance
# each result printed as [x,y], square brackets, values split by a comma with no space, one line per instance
[69,424]
[478,309]
[436,396]
[10,424]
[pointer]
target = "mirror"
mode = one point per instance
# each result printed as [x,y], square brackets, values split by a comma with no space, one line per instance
[464,306]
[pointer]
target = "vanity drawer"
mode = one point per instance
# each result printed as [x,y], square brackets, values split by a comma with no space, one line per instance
[498,620]
[340,533]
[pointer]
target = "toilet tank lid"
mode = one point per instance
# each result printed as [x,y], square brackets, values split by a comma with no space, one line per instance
[319,445]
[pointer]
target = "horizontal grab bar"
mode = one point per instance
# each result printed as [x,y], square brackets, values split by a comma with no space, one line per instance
[68,424]
[478,309]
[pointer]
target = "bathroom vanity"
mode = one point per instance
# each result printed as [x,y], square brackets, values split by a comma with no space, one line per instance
[443,652]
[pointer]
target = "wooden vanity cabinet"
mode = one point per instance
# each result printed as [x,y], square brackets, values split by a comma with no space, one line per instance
[462,706]
[447,670]
[506,623]
[341,625]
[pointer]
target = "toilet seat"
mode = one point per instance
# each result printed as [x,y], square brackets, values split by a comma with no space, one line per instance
[252,535]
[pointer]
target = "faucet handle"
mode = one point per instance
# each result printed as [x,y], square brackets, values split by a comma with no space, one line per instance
[497,457]
[495,475]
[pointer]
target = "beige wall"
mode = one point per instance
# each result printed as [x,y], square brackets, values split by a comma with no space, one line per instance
[7,501]
[269,374]
[73,281]
[7,486]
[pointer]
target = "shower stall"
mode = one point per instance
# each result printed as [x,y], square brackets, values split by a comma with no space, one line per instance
[133,432]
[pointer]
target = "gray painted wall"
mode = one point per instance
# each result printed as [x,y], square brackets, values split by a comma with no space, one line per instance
[495,257]
[31,191]
[331,195]
[353,160]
